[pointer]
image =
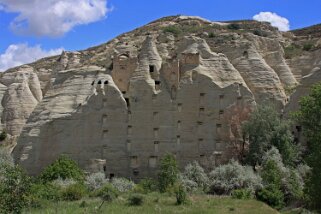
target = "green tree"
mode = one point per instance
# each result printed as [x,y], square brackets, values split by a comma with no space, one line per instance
[272,178]
[309,116]
[64,168]
[168,174]
[14,189]
[265,129]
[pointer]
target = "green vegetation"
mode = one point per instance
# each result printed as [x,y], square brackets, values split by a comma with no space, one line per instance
[64,168]
[136,199]
[307,46]
[14,189]
[159,203]
[234,26]
[175,30]
[259,32]
[168,174]
[180,193]
[242,194]
[73,192]
[292,51]
[211,35]
[309,117]
[271,193]
[266,129]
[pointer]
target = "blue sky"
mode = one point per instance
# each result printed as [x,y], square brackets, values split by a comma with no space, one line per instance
[36,28]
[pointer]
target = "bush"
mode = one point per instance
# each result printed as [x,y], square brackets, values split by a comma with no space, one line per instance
[180,193]
[108,193]
[259,33]
[194,172]
[64,168]
[168,174]
[122,184]
[3,135]
[272,196]
[234,26]
[190,186]
[74,192]
[172,29]
[211,35]
[242,194]
[14,189]
[45,191]
[226,178]
[307,46]
[136,199]
[96,180]
[148,185]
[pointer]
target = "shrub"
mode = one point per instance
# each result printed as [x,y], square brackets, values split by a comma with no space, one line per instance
[292,51]
[96,180]
[64,168]
[14,189]
[259,33]
[136,199]
[234,26]
[3,135]
[47,191]
[242,194]
[272,196]
[122,184]
[180,193]
[189,185]
[168,174]
[107,193]
[148,185]
[194,172]
[74,192]
[211,35]
[172,29]
[226,178]
[307,46]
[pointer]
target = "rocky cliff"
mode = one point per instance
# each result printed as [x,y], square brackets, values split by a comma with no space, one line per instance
[179,84]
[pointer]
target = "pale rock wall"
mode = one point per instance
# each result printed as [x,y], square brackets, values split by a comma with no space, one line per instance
[89,118]
[20,98]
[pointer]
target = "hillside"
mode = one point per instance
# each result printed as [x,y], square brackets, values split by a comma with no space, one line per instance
[179,84]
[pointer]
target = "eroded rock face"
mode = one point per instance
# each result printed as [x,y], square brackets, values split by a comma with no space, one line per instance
[121,106]
[21,96]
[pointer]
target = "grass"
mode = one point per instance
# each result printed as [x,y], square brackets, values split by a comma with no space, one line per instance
[160,203]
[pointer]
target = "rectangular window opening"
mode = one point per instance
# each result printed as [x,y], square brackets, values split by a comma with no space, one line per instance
[127,102]
[151,68]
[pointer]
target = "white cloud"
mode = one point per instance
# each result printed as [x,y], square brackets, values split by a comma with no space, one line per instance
[53,17]
[280,22]
[18,54]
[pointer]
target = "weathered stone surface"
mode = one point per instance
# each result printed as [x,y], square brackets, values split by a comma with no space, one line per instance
[120,106]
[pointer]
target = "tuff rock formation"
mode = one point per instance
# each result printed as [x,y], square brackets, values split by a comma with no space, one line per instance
[180,84]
